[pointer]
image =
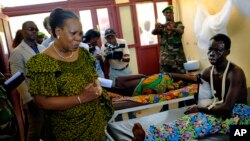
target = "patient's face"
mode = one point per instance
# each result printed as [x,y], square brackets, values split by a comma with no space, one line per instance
[216,52]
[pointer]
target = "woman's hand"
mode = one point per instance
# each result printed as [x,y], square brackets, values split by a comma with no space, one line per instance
[193,109]
[90,92]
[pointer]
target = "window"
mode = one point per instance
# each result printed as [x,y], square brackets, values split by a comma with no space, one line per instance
[16,22]
[146,22]
[13,3]
[160,6]
[103,21]
[86,20]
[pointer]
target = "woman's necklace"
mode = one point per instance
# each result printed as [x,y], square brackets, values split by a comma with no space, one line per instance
[58,53]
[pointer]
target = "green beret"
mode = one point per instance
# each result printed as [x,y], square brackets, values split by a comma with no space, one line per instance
[40,35]
[170,8]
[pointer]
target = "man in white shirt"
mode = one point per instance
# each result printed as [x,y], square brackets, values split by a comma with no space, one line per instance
[116,54]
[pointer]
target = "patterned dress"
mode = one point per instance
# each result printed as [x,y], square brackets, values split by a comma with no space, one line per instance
[53,78]
[172,55]
[198,125]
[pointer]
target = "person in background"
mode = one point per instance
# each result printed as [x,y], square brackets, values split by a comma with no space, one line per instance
[116,55]
[40,37]
[172,56]
[46,25]
[146,36]
[91,40]
[18,58]
[117,58]
[18,38]
[64,83]
[228,107]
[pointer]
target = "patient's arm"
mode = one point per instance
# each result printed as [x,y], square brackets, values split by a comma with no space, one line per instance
[184,77]
[128,81]
[113,95]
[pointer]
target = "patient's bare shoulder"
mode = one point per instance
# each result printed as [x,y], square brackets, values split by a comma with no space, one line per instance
[238,84]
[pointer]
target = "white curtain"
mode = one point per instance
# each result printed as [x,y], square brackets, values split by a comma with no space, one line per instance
[206,25]
[243,6]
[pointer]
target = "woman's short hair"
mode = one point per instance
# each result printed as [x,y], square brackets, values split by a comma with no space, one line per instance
[57,18]
[90,34]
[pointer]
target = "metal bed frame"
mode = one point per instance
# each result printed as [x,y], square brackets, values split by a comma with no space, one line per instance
[142,107]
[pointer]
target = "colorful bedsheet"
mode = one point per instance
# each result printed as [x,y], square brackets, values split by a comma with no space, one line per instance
[155,98]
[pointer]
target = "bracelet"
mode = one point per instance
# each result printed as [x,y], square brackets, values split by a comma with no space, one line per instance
[79,100]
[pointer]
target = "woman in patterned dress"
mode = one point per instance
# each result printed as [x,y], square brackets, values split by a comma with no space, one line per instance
[64,83]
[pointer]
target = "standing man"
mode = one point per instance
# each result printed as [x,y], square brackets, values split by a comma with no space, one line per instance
[18,58]
[117,55]
[172,55]
[90,42]
[117,58]
[46,25]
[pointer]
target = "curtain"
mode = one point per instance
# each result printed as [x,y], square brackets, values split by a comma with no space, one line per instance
[207,25]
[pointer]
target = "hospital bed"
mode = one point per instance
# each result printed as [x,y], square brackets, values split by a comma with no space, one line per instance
[122,130]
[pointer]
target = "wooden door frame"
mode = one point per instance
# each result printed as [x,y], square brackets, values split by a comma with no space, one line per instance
[137,44]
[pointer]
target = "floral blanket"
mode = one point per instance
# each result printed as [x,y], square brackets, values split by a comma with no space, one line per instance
[155,98]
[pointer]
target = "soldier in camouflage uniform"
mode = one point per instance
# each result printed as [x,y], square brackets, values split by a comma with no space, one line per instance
[172,55]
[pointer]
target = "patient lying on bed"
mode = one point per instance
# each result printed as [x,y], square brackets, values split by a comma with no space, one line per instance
[228,107]
[157,87]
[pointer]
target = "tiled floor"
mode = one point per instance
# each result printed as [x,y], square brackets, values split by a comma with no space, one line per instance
[150,111]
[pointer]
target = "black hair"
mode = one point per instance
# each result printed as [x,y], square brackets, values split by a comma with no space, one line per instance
[18,38]
[224,38]
[46,22]
[26,23]
[90,34]
[57,18]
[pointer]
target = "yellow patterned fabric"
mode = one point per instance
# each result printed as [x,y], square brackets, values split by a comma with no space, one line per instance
[52,78]
[189,90]
[154,84]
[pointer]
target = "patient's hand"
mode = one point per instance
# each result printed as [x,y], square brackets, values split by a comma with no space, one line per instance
[193,109]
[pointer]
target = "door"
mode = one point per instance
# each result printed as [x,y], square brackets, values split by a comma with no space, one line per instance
[97,18]
[148,13]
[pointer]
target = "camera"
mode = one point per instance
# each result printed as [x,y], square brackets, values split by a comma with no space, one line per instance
[111,52]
